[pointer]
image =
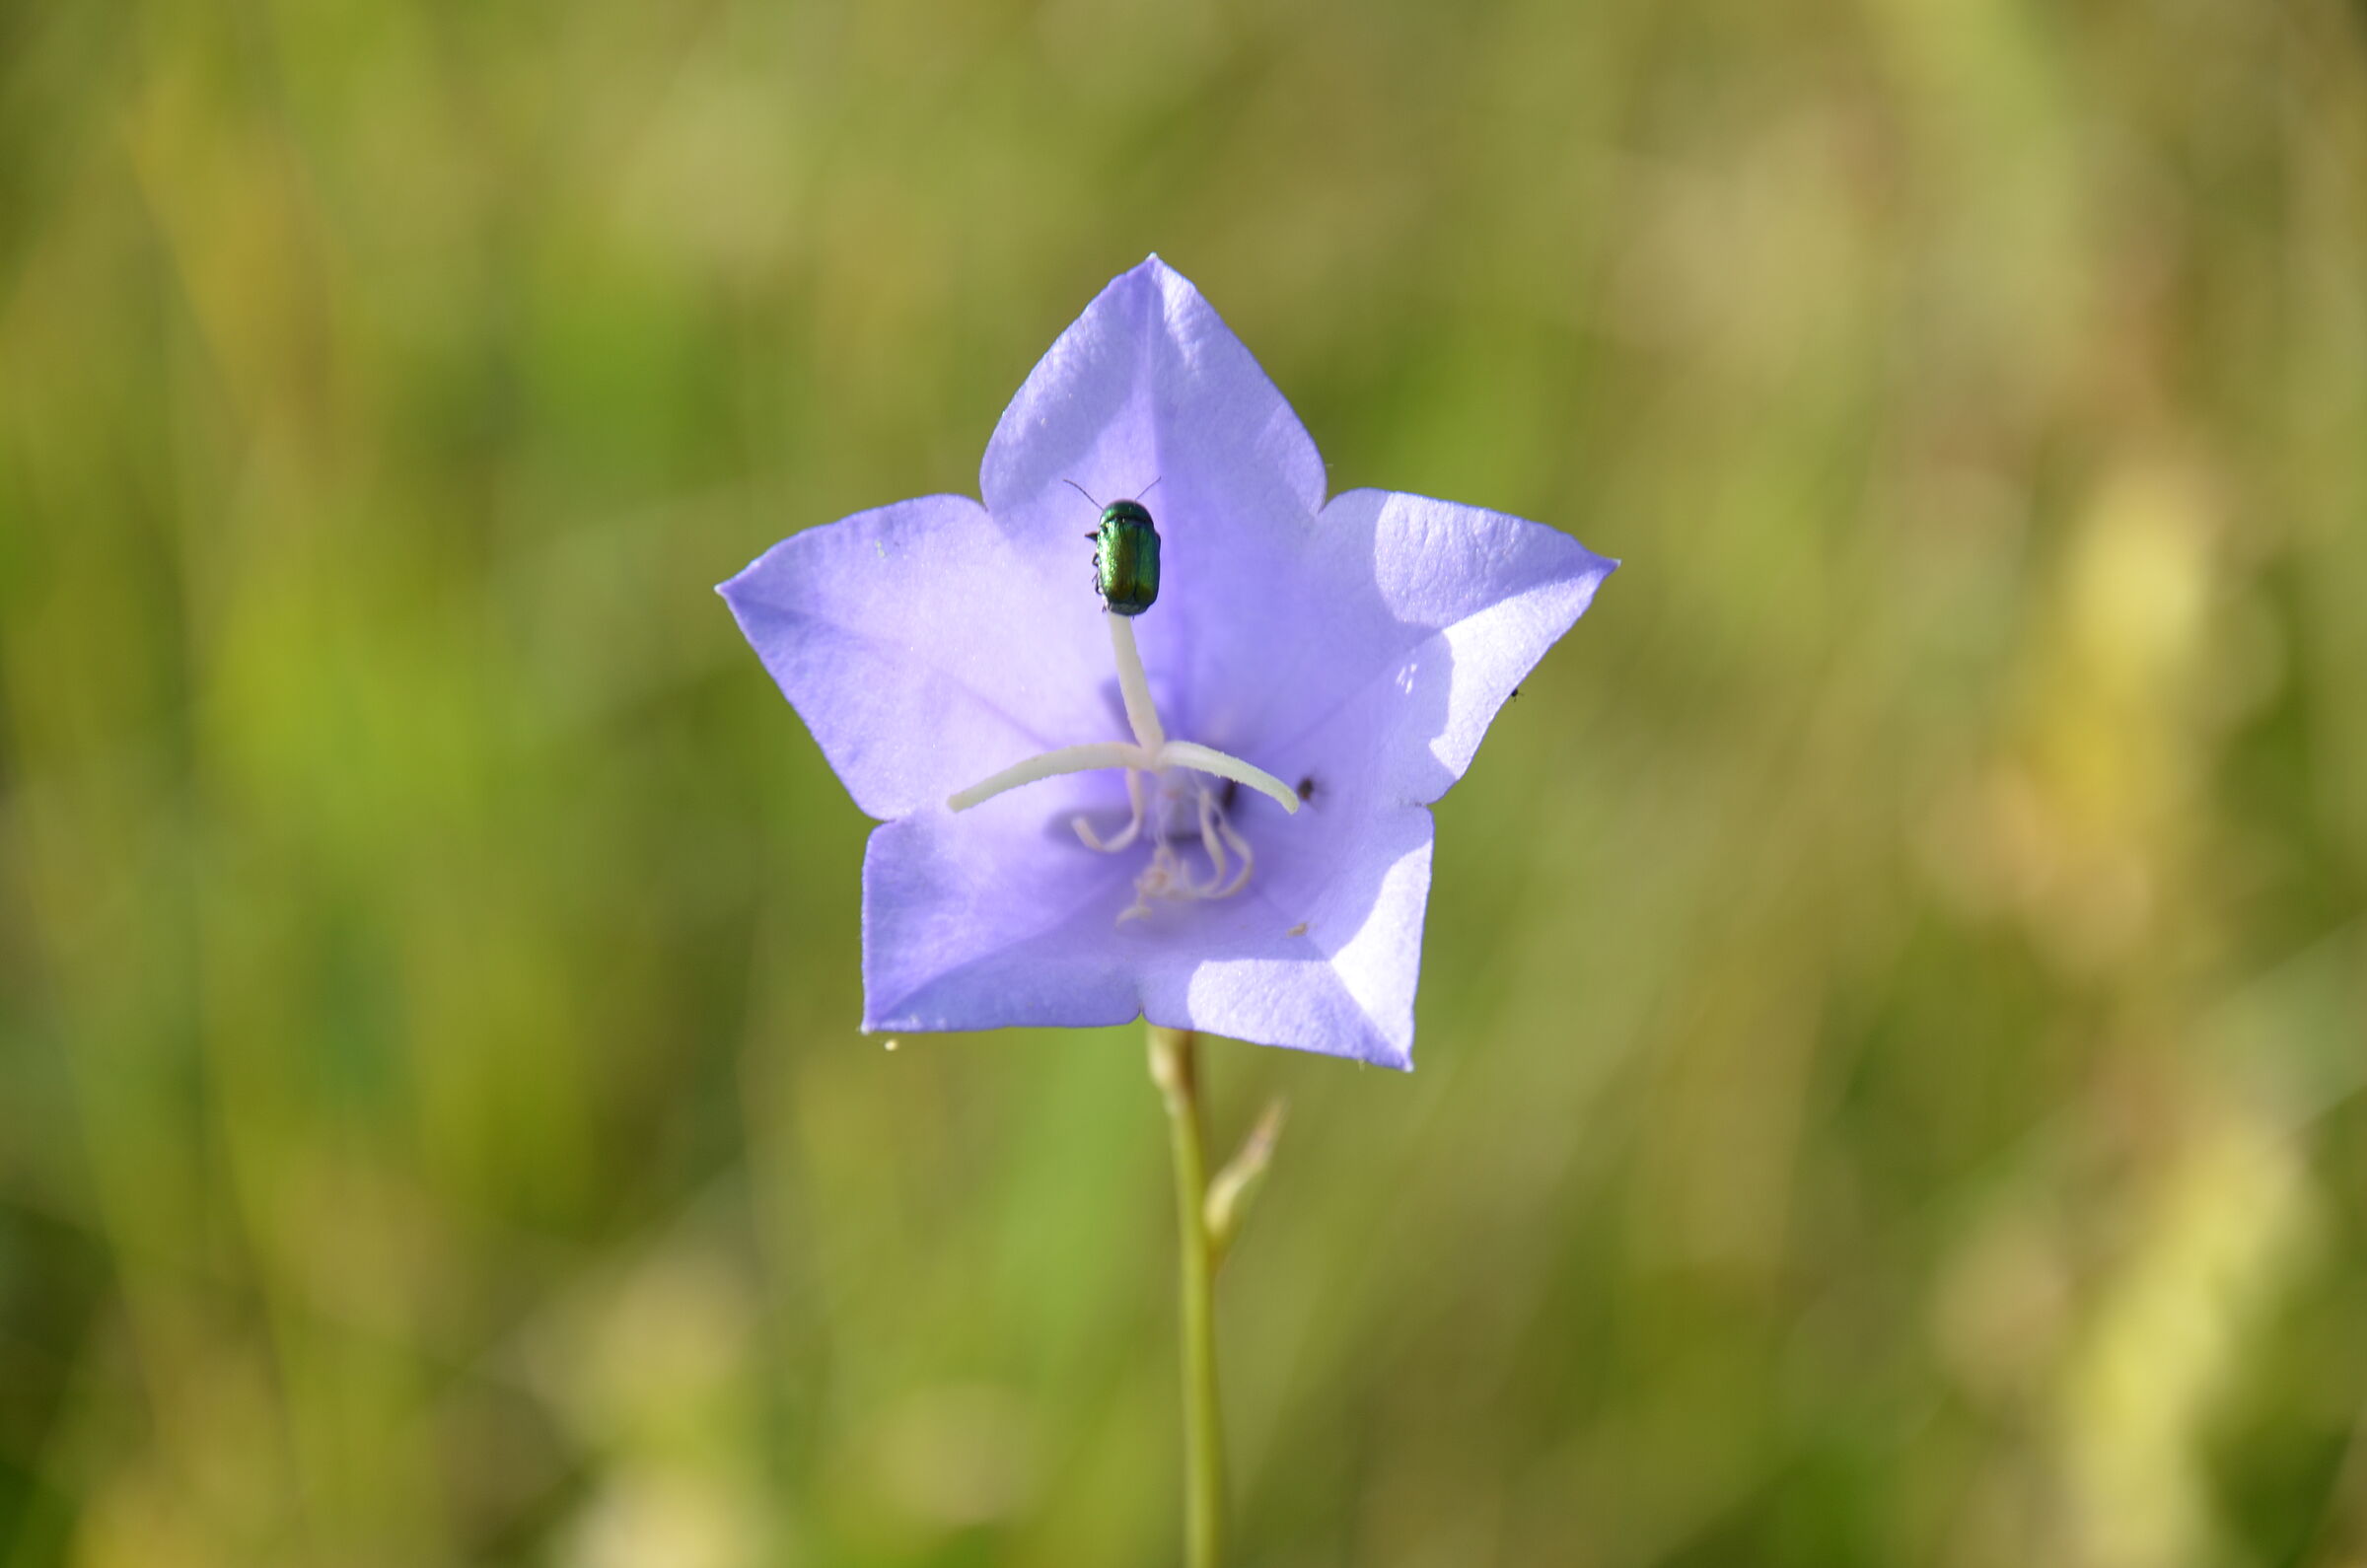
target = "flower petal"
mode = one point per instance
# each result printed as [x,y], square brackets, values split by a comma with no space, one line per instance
[1150,391]
[998,917]
[1339,977]
[1149,385]
[926,649]
[1431,614]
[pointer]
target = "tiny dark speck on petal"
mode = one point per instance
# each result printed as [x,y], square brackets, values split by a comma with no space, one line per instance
[1306,787]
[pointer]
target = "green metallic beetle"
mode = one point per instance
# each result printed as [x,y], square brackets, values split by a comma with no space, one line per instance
[1125,557]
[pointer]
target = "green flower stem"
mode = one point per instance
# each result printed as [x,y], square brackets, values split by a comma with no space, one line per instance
[1174,1071]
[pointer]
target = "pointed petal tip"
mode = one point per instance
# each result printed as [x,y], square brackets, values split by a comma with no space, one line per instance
[885,1019]
[734,589]
[742,594]
[732,592]
[1155,270]
[1388,1049]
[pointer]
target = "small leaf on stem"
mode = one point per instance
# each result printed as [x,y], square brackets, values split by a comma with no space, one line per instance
[1230,1195]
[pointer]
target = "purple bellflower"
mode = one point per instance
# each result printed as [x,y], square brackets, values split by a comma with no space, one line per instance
[1224,827]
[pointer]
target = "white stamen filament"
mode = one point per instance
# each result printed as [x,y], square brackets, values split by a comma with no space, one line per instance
[1152,753]
[1133,827]
[1206,759]
[1142,715]
[1051,764]
[1211,844]
[1241,847]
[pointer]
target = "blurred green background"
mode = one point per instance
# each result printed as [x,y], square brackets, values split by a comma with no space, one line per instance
[1896,1003]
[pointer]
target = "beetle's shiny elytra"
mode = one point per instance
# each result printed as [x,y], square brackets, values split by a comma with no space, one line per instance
[1126,558]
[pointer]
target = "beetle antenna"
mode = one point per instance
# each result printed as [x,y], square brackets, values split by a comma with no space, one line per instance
[1081,491]
[1148,488]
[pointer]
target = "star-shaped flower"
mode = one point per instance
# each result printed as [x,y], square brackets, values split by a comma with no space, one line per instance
[1224,827]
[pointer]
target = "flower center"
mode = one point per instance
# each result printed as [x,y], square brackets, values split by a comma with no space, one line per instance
[1181,797]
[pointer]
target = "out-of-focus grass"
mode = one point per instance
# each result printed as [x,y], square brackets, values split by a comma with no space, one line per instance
[1893,1021]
